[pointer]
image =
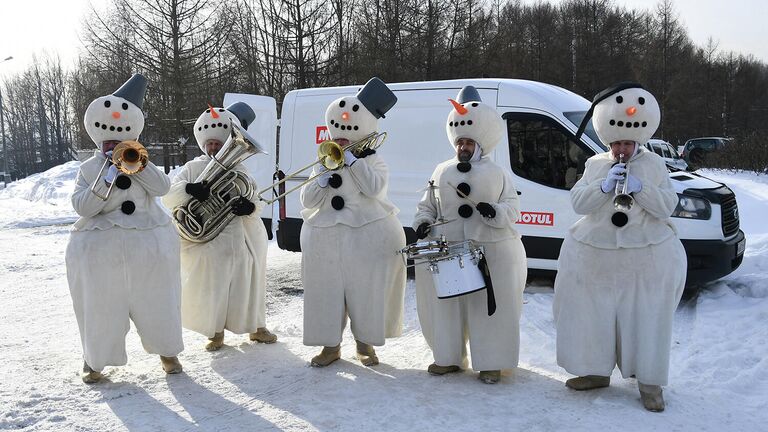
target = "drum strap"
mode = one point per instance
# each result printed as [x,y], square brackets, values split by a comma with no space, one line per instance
[483,266]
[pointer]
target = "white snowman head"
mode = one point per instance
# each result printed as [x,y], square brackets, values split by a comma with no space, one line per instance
[354,117]
[625,112]
[214,123]
[117,117]
[471,118]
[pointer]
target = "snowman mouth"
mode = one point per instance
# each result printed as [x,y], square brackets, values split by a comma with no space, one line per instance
[213,126]
[344,127]
[113,128]
[628,125]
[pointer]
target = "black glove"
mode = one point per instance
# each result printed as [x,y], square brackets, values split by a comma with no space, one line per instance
[243,207]
[200,191]
[423,230]
[486,210]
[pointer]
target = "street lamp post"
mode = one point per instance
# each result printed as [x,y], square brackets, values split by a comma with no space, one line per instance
[2,131]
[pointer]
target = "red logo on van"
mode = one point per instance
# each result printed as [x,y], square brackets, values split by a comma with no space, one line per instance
[536,218]
[321,134]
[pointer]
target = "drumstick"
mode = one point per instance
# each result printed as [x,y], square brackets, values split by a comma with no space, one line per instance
[463,195]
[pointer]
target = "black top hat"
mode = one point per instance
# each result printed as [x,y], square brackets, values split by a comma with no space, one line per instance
[603,95]
[468,94]
[243,112]
[133,90]
[377,97]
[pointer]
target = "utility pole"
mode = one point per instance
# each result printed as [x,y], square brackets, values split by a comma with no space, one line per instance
[2,131]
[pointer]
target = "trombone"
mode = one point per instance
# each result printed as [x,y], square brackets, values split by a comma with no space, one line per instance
[129,157]
[330,155]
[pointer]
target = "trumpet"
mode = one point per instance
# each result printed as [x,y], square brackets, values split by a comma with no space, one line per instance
[330,155]
[129,157]
[622,201]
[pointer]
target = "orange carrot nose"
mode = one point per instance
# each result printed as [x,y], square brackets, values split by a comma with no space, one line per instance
[214,114]
[345,115]
[631,111]
[459,107]
[115,115]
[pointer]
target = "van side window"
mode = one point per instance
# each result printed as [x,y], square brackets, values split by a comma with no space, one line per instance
[543,151]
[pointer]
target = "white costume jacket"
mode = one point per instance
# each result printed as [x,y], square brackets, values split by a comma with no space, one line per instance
[123,262]
[224,279]
[617,287]
[349,265]
[446,323]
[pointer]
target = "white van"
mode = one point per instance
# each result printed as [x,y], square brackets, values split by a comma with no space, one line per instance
[540,151]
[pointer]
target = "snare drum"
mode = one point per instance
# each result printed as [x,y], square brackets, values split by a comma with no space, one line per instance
[458,273]
[425,250]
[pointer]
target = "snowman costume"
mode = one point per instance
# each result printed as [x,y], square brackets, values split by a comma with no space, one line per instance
[224,279]
[350,234]
[448,323]
[617,287]
[123,254]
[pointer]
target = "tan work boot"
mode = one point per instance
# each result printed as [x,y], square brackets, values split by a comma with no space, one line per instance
[171,365]
[490,377]
[588,382]
[436,369]
[327,356]
[89,375]
[216,342]
[652,397]
[366,354]
[263,335]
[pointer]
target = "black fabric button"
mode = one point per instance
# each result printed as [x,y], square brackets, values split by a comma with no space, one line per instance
[464,188]
[122,182]
[335,181]
[465,211]
[128,207]
[464,166]
[337,202]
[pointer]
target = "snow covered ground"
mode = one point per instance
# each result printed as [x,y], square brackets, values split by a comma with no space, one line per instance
[719,366]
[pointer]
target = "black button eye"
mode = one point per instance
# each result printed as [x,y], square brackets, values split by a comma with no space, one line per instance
[107,104]
[619,99]
[342,103]
[125,106]
[355,107]
[641,101]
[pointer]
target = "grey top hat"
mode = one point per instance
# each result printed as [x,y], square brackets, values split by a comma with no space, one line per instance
[243,112]
[468,94]
[133,90]
[377,97]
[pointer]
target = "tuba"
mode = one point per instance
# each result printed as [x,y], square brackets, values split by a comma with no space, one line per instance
[201,221]
[129,157]
[622,201]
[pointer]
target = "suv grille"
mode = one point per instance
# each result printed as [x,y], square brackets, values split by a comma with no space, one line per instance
[730,215]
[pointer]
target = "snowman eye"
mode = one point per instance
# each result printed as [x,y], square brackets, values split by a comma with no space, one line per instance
[125,106]
[355,107]
[341,104]
[107,104]
[641,101]
[619,99]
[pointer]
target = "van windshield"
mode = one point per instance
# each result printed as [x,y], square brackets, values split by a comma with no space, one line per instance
[576,117]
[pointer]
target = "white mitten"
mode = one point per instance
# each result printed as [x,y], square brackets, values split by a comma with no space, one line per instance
[111,174]
[634,184]
[615,174]
[322,179]
[349,158]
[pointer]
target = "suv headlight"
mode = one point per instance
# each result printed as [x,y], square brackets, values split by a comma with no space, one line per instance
[692,208]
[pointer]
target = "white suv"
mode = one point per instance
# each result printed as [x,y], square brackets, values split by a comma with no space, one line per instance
[668,152]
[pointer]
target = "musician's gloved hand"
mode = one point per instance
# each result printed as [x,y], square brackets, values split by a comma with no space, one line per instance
[486,210]
[243,207]
[200,191]
[422,230]
[634,184]
[322,179]
[615,174]
[349,158]
[111,174]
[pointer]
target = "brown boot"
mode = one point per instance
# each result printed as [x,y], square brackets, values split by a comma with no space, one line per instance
[490,377]
[652,397]
[327,356]
[171,365]
[588,382]
[89,375]
[366,354]
[216,342]
[263,335]
[436,369]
